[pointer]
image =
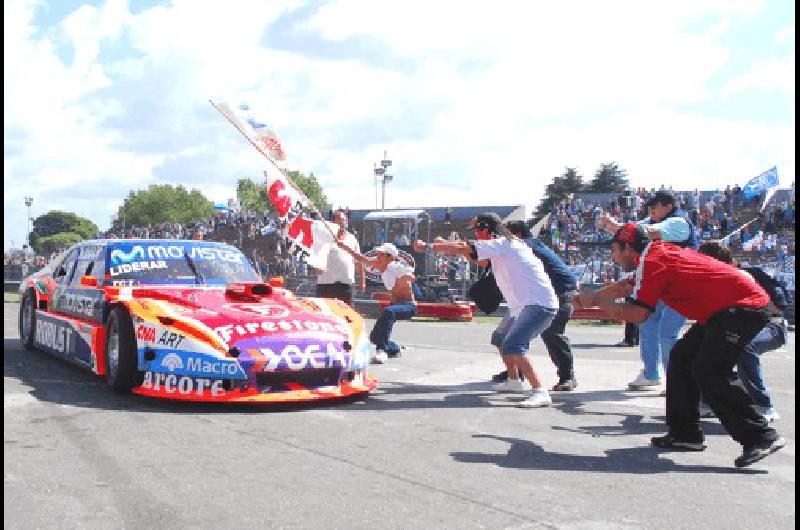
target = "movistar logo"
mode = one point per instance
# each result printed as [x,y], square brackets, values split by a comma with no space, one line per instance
[171,362]
[120,256]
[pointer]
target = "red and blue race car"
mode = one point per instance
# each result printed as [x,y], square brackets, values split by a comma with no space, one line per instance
[191,320]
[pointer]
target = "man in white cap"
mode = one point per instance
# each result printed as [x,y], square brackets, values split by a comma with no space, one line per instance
[398,280]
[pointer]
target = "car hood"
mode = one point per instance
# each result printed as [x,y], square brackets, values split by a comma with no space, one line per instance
[215,317]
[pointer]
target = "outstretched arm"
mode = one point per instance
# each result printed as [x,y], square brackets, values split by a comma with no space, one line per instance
[356,256]
[457,248]
[604,299]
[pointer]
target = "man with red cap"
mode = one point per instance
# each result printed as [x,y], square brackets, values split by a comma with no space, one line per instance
[729,309]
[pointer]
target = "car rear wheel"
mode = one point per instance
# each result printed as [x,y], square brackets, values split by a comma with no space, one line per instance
[120,352]
[27,319]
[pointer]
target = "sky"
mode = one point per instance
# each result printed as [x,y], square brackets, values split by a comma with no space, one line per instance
[475,103]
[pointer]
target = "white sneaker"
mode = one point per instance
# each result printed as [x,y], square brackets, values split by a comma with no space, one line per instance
[380,357]
[537,398]
[510,386]
[642,383]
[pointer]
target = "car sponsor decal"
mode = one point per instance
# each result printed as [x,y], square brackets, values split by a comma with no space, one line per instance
[194,364]
[184,385]
[41,286]
[273,356]
[136,266]
[149,334]
[264,310]
[140,252]
[86,304]
[233,332]
[62,338]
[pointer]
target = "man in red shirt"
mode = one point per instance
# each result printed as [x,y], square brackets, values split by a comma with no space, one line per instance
[729,309]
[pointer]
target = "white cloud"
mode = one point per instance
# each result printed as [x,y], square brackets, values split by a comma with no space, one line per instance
[774,74]
[474,105]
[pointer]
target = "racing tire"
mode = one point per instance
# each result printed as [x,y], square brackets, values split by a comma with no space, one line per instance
[27,320]
[121,355]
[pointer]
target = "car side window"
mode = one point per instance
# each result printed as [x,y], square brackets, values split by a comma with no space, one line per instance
[84,267]
[64,272]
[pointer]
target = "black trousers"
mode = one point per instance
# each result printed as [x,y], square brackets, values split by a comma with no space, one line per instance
[631,333]
[702,361]
[556,341]
[342,291]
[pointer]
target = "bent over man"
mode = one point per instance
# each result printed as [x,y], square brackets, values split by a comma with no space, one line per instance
[521,278]
[564,282]
[729,308]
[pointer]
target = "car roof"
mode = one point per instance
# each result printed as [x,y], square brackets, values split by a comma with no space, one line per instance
[151,241]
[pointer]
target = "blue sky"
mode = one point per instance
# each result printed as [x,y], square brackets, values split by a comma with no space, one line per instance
[474,103]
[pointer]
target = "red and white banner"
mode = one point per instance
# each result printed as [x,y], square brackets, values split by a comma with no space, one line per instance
[307,239]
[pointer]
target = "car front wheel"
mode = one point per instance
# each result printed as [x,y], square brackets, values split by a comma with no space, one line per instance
[27,319]
[120,352]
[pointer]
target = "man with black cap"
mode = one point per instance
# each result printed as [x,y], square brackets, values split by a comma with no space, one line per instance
[658,334]
[564,283]
[532,302]
[729,309]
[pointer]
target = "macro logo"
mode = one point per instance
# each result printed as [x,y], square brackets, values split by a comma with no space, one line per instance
[120,256]
[172,362]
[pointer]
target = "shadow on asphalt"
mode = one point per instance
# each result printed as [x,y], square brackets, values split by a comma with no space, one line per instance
[524,454]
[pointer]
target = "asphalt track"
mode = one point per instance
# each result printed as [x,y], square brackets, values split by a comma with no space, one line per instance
[432,448]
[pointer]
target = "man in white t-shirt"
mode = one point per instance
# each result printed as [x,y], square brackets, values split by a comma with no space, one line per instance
[521,278]
[339,276]
[398,279]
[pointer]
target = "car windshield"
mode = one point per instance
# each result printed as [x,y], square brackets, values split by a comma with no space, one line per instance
[175,262]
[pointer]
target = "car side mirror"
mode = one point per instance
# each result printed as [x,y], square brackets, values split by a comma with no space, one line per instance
[61,271]
[90,281]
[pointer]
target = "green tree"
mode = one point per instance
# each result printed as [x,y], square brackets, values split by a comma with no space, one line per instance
[56,222]
[162,203]
[609,179]
[255,196]
[561,187]
[57,242]
[312,188]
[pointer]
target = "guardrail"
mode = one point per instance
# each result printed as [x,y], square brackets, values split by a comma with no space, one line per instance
[11,286]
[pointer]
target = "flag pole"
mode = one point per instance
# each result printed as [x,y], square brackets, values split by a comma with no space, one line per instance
[282,171]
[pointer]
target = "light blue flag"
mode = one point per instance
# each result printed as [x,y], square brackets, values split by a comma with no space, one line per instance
[761,183]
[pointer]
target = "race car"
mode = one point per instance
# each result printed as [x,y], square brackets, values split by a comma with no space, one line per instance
[191,320]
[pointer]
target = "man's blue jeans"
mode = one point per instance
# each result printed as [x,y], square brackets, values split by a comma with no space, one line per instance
[383,326]
[657,335]
[772,337]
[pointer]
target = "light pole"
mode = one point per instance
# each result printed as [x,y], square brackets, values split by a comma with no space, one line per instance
[385,177]
[28,203]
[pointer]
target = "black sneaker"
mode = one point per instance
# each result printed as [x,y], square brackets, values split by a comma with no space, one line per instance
[502,376]
[499,378]
[393,354]
[566,385]
[756,452]
[670,442]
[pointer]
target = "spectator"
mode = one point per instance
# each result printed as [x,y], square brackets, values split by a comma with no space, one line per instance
[729,310]
[398,279]
[532,302]
[339,277]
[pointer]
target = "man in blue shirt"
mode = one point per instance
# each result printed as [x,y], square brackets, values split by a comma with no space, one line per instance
[659,333]
[564,285]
